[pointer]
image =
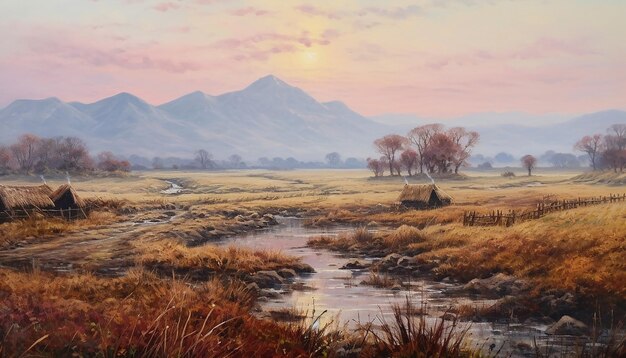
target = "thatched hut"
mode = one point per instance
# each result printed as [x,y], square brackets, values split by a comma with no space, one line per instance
[424,196]
[66,198]
[23,200]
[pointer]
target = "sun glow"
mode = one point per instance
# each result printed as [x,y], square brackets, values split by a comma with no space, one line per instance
[310,57]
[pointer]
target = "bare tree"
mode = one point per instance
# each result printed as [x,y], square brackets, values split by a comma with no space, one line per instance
[333,159]
[420,137]
[157,163]
[107,161]
[236,160]
[5,159]
[388,146]
[529,162]
[408,159]
[204,159]
[618,131]
[465,141]
[593,146]
[376,166]
[25,150]
[73,154]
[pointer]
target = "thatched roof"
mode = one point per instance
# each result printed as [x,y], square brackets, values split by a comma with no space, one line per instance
[422,193]
[25,197]
[66,197]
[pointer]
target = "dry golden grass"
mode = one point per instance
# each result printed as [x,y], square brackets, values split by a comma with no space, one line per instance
[42,228]
[141,315]
[171,255]
[578,250]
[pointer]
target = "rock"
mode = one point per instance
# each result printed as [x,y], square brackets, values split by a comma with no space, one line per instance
[396,287]
[568,326]
[449,316]
[240,218]
[254,215]
[287,273]
[389,261]
[354,265]
[270,219]
[499,284]
[169,213]
[271,294]
[267,279]
[407,261]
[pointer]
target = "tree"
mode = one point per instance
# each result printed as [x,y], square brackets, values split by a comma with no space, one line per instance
[388,146]
[564,160]
[420,137]
[614,155]
[108,162]
[376,166]
[440,153]
[505,158]
[465,141]
[5,159]
[333,159]
[204,159]
[235,161]
[157,163]
[529,162]
[618,131]
[593,146]
[24,151]
[73,154]
[408,159]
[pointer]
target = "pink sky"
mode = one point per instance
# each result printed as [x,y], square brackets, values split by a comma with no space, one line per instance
[435,58]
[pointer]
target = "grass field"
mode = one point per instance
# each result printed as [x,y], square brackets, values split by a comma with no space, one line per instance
[136,254]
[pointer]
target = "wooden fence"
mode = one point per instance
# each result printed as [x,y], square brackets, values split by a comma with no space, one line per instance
[500,218]
[68,214]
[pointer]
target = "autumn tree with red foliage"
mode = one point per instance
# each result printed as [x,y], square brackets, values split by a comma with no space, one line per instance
[108,162]
[376,166]
[529,162]
[408,159]
[388,146]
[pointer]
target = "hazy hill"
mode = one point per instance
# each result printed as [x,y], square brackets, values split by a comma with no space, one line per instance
[267,118]
[271,118]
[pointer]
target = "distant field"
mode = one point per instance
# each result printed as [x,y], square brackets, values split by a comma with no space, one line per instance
[322,188]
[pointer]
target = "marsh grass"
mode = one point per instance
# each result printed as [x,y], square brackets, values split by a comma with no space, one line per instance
[141,315]
[380,281]
[408,334]
[167,255]
[40,228]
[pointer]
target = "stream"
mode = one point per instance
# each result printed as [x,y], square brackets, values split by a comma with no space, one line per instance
[348,303]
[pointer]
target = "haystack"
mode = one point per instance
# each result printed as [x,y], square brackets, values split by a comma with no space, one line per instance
[424,196]
[25,198]
[65,197]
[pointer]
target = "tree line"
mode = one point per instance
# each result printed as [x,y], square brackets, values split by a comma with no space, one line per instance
[606,151]
[31,153]
[431,148]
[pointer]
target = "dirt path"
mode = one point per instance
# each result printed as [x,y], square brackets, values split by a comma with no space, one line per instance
[104,250]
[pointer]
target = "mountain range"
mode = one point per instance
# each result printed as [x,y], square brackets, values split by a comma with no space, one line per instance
[268,118]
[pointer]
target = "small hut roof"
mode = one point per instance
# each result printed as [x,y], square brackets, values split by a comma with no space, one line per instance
[68,191]
[25,197]
[422,192]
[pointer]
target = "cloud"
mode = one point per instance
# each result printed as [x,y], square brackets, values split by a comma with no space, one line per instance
[397,13]
[250,10]
[68,48]
[166,6]
[316,11]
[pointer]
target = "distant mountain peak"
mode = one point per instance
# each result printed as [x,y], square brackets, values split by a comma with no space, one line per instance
[268,82]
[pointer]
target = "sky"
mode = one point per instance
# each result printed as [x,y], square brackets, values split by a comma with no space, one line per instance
[431,58]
